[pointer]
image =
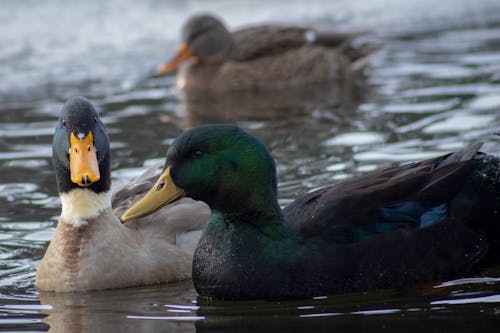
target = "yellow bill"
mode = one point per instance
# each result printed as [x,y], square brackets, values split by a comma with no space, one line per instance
[182,54]
[163,192]
[83,165]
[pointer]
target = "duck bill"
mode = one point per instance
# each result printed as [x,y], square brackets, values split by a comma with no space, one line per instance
[182,54]
[83,165]
[162,193]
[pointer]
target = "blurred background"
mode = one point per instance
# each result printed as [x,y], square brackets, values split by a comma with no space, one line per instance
[433,86]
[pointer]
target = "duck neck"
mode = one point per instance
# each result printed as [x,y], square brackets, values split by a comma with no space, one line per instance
[196,76]
[268,219]
[81,204]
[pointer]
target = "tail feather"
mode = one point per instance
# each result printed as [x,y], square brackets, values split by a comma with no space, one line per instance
[480,196]
[462,155]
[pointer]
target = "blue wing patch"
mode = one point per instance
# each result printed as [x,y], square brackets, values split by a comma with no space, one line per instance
[414,212]
[408,214]
[433,215]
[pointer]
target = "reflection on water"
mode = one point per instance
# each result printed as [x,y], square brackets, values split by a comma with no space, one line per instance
[269,106]
[434,88]
[411,310]
[105,311]
[173,307]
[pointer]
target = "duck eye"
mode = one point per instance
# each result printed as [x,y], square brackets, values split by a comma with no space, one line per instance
[197,153]
[95,119]
[160,186]
[63,123]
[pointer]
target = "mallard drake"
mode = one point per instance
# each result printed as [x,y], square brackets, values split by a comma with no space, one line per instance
[424,221]
[262,57]
[91,248]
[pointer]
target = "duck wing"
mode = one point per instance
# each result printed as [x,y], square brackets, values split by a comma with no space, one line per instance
[179,223]
[262,41]
[130,192]
[266,40]
[410,196]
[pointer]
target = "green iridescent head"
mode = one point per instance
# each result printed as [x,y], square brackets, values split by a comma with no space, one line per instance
[221,165]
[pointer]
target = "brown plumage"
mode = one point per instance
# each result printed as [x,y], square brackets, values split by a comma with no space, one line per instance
[262,57]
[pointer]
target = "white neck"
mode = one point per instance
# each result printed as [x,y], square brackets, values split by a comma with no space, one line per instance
[310,36]
[81,204]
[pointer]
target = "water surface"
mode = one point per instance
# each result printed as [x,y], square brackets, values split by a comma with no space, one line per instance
[433,87]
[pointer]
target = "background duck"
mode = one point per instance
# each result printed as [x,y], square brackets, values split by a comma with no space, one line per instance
[262,57]
[425,221]
[91,249]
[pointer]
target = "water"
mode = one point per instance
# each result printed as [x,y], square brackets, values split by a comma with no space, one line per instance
[434,87]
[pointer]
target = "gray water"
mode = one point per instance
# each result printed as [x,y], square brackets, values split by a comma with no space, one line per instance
[433,87]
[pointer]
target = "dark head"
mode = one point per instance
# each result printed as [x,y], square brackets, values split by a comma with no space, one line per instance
[80,149]
[205,39]
[221,165]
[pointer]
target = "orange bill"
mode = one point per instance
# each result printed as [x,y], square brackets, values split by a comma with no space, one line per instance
[83,165]
[182,54]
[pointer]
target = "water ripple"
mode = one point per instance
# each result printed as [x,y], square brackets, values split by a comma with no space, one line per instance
[355,139]
[459,123]
[485,102]
[422,107]
[172,318]
[27,151]
[453,90]
[470,300]
[433,89]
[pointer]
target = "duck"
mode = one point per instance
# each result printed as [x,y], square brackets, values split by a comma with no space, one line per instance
[415,223]
[91,249]
[262,57]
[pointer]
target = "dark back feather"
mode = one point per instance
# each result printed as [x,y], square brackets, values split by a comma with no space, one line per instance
[431,182]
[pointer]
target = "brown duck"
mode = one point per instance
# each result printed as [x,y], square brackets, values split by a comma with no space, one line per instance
[261,57]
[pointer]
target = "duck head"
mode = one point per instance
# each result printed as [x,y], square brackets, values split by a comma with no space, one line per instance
[80,148]
[205,39]
[221,165]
